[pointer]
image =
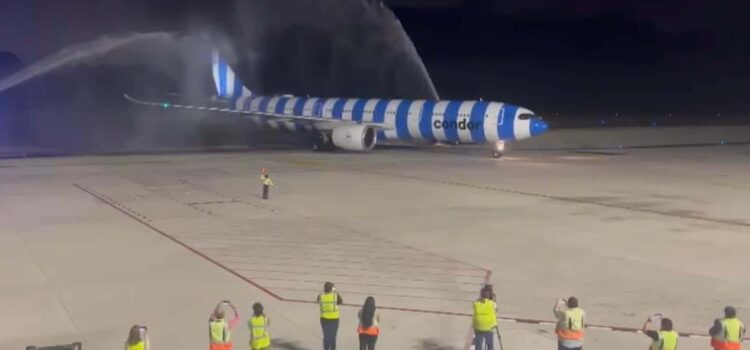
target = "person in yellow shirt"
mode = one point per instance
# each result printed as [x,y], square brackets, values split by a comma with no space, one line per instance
[137,338]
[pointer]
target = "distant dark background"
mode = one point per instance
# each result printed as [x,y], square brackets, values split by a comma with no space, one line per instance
[577,62]
[583,58]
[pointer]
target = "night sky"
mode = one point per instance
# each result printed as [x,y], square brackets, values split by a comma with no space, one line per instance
[566,59]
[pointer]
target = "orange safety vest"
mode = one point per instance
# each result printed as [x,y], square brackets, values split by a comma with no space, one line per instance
[372,330]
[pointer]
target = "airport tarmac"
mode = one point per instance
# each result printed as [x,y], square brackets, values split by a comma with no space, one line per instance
[93,245]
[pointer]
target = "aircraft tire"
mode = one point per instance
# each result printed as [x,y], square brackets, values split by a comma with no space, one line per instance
[496,154]
[322,143]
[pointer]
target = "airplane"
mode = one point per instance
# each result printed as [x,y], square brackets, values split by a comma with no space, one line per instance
[356,124]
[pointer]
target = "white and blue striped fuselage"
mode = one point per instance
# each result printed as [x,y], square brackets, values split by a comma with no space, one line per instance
[472,122]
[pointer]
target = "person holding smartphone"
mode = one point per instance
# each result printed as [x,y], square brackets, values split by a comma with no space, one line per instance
[570,324]
[484,319]
[219,329]
[329,302]
[664,339]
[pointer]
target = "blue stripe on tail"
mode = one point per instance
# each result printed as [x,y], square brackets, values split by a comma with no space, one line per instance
[221,71]
[222,79]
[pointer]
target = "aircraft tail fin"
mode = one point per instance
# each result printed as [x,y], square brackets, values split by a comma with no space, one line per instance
[228,84]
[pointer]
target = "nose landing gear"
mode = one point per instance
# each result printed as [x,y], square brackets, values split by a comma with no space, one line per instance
[498,149]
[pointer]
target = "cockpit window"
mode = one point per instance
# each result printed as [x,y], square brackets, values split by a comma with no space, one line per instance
[525,116]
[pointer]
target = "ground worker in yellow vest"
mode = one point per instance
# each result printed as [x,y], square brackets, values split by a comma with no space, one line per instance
[329,302]
[267,183]
[137,338]
[484,320]
[664,339]
[570,324]
[219,329]
[258,325]
[727,333]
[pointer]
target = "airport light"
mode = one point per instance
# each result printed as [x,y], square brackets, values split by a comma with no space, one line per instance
[166,105]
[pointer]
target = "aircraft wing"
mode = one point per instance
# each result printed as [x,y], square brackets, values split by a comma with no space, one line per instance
[322,124]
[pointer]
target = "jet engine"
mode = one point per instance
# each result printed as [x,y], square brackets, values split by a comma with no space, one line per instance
[360,138]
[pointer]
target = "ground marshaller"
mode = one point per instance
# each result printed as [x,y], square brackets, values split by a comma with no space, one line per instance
[267,183]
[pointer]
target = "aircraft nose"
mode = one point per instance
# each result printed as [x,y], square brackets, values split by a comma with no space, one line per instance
[538,126]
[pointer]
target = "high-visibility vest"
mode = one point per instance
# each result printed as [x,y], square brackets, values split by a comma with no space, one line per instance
[219,331]
[667,341]
[329,308]
[570,326]
[266,181]
[485,318]
[141,345]
[372,330]
[259,337]
[730,336]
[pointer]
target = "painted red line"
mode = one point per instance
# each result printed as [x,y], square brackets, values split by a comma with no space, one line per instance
[289,239]
[345,282]
[225,250]
[341,261]
[374,264]
[363,276]
[144,223]
[357,251]
[344,291]
[421,311]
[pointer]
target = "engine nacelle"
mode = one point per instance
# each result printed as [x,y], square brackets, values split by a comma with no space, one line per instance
[354,137]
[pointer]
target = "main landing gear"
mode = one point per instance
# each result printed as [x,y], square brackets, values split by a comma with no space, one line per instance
[498,149]
[322,142]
